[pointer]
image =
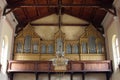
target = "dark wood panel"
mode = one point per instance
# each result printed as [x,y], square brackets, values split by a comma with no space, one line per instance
[96,67]
[28,1]
[42,1]
[23,66]
[46,66]
[76,66]
[78,2]
[31,11]
[43,66]
[53,1]
[20,11]
[66,1]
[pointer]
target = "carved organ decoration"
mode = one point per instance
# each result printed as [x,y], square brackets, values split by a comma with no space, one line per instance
[59,42]
[29,46]
[92,42]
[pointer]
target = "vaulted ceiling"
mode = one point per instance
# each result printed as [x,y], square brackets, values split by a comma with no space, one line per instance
[92,11]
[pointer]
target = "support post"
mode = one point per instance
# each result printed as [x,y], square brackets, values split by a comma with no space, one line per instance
[36,74]
[71,76]
[83,76]
[107,76]
[11,76]
[49,76]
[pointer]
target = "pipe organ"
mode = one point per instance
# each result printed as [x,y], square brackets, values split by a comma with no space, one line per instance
[30,46]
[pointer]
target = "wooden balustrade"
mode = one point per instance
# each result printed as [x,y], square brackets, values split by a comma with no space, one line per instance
[46,66]
[72,67]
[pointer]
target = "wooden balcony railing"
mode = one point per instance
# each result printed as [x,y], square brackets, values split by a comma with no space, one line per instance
[46,66]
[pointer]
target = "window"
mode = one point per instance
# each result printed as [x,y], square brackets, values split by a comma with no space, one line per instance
[4,54]
[116,54]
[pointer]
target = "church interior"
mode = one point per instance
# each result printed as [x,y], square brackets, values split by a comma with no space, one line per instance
[59,39]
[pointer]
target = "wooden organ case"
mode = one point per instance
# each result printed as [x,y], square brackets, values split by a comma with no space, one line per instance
[29,46]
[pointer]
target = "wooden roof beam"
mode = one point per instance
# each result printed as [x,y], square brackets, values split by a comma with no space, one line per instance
[62,5]
[112,11]
[62,24]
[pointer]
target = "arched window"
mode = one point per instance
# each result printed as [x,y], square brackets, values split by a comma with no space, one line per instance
[116,54]
[4,54]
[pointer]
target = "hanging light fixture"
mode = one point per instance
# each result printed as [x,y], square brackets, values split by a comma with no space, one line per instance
[60,62]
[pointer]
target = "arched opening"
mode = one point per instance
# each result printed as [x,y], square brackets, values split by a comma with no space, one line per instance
[4,54]
[116,54]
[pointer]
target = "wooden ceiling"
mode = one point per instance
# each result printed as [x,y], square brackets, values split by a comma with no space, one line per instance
[92,11]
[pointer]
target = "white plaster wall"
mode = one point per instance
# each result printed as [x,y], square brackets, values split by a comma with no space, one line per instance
[1,10]
[48,32]
[9,20]
[71,32]
[65,18]
[113,29]
[2,3]
[6,29]
[0,33]
[112,26]
[8,32]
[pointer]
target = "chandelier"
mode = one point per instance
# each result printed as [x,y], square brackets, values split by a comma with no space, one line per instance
[60,62]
